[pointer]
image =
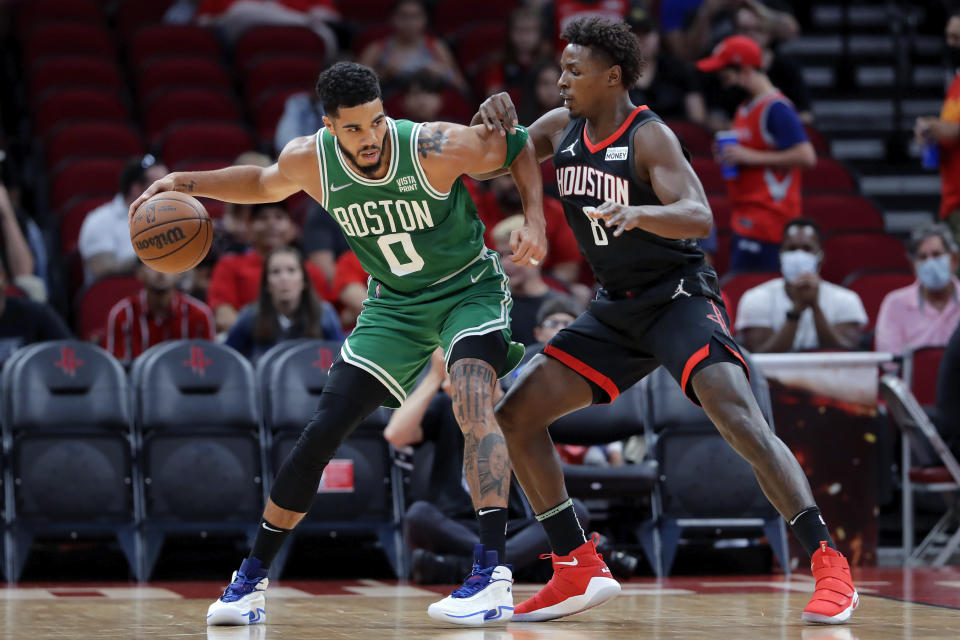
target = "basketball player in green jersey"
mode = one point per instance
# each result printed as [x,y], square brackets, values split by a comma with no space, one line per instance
[394,187]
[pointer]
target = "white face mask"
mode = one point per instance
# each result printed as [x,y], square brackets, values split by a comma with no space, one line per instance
[795,263]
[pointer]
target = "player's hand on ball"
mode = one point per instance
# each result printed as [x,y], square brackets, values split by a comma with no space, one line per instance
[166,183]
[499,114]
[529,245]
[615,215]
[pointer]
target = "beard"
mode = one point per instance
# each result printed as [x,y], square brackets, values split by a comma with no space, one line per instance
[368,170]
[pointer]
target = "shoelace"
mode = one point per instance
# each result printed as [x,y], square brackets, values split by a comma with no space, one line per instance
[477,580]
[240,587]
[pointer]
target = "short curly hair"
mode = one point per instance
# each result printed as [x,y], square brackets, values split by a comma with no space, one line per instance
[614,39]
[347,84]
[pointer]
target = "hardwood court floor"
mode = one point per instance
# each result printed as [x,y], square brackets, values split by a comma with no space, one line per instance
[758,608]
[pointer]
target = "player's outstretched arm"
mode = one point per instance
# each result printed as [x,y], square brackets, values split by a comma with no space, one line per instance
[241,184]
[659,159]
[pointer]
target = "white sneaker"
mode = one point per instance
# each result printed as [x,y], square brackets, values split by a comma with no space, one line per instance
[486,595]
[242,602]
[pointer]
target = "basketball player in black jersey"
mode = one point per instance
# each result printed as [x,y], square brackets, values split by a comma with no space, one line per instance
[635,205]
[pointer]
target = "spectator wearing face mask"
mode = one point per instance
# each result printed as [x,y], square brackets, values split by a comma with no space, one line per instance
[799,311]
[927,312]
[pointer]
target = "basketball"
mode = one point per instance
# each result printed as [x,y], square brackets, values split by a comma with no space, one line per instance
[171,232]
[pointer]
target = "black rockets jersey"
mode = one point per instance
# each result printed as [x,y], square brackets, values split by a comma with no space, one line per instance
[590,174]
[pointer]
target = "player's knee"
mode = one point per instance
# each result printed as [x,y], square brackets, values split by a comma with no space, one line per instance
[507,415]
[471,388]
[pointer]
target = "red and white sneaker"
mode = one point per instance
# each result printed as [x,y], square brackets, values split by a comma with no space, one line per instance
[580,581]
[834,597]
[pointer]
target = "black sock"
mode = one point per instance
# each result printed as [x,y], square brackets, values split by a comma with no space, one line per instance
[562,527]
[493,530]
[267,544]
[810,529]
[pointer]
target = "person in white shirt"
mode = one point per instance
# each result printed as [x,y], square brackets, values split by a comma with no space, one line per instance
[799,311]
[104,242]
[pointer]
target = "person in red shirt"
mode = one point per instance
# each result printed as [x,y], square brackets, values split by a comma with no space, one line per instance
[771,150]
[156,313]
[349,288]
[945,131]
[236,278]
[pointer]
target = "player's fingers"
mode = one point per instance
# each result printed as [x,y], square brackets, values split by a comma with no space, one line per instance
[592,212]
[613,219]
[522,252]
[506,111]
[515,240]
[620,229]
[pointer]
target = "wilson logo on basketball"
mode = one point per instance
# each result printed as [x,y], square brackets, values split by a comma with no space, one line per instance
[162,239]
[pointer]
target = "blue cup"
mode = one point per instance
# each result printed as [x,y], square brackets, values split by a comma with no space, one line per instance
[725,139]
[930,155]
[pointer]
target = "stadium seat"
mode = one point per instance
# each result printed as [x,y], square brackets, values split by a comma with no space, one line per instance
[41,12]
[94,304]
[847,252]
[184,105]
[721,259]
[267,113]
[722,211]
[268,74]
[449,17]
[74,105]
[200,444]
[168,40]
[370,33]
[181,73]
[734,285]
[275,40]
[828,175]
[71,218]
[73,72]
[85,178]
[820,144]
[61,39]
[697,139]
[365,11]
[704,484]
[873,286]
[208,141]
[131,15]
[361,489]
[920,368]
[842,212]
[91,140]
[710,174]
[477,44]
[70,449]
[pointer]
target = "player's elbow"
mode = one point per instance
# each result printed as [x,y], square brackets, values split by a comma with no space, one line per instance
[806,156]
[701,219]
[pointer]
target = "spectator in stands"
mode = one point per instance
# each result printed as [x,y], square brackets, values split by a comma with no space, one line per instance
[285,309]
[441,527]
[690,26]
[105,233]
[541,94]
[349,288]
[302,116]
[23,322]
[926,313]
[231,233]
[322,240]
[772,148]
[527,287]
[410,50]
[566,11]
[948,400]
[22,250]
[236,278]
[422,99]
[554,314]
[800,311]
[945,130]
[155,314]
[523,49]
[234,17]
[668,84]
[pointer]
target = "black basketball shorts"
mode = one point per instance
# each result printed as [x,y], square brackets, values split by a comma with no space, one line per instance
[621,339]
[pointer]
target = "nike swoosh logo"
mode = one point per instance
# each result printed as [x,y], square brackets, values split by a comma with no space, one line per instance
[484,512]
[473,279]
[268,528]
[336,188]
[574,563]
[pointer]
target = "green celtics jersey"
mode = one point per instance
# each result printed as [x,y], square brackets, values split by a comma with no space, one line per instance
[405,233]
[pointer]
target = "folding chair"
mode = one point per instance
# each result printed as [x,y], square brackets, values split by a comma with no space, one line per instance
[920,440]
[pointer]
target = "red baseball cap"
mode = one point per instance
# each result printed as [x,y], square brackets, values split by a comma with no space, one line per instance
[738,51]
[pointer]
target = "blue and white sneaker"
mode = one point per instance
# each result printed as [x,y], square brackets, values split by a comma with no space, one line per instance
[485,597]
[242,602]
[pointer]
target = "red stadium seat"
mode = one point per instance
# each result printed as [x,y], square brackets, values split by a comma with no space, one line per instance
[845,253]
[722,211]
[873,287]
[828,175]
[268,74]
[451,16]
[920,372]
[92,139]
[274,40]
[734,285]
[181,73]
[477,44]
[205,141]
[698,140]
[267,114]
[71,72]
[40,12]
[134,14]
[364,11]
[95,302]
[74,105]
[842,212]
[71,219]
[456,108]
[85,178]
[167,40]
[820,144]
[369,34]
[69,39]
[710,174]
[182,105]
[721,259]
